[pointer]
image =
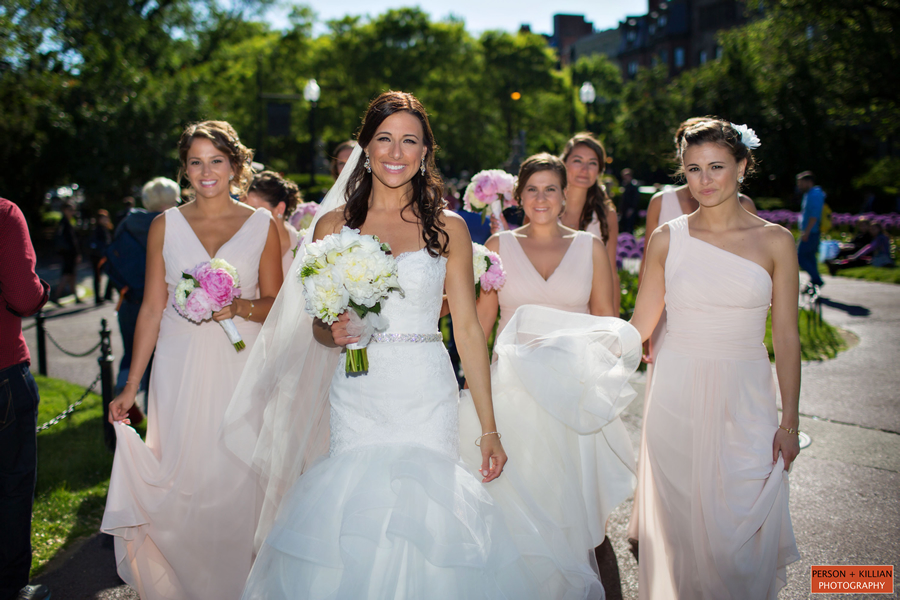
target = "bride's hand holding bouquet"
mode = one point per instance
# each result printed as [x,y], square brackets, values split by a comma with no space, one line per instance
[346,277]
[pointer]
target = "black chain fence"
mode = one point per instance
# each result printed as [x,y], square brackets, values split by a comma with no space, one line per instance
[73,354]
[71,409]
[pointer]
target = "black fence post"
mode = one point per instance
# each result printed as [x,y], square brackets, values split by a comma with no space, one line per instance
[41,343]
[107,384]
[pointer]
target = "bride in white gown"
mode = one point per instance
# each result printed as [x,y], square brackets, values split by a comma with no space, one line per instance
[392,512]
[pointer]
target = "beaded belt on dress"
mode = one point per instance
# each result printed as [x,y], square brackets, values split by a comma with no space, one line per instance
[415,338]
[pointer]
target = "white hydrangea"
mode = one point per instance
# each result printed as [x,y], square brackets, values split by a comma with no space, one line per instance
[183,290]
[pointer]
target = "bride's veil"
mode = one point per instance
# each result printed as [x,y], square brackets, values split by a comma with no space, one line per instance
[278,418]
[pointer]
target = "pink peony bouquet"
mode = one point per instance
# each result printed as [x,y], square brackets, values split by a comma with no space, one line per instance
[490,191]
[489,273]
[303,215]
[207,288]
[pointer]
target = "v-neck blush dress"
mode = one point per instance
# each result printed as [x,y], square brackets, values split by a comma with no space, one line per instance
[714,520]
[182,508]
[605,457]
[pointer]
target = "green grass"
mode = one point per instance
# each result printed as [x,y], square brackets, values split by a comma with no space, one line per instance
[818,339]
[880,274]
[73,471]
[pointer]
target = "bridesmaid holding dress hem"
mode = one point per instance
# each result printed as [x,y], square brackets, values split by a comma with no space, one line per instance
[713,508]
[181,506]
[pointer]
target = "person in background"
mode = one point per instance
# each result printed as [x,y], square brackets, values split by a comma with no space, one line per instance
[876,254]
[864,236]
[157,195]
[22,293]
[628,205]
[279,196]
[810,220]
[100,240]
[69,249]
[127,207]
[341,156]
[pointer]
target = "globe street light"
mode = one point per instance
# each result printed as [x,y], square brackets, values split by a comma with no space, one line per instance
[311,93]
[587,94]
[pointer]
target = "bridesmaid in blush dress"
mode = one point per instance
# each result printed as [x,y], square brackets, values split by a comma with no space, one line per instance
[665,206]
[551,265]
[280,196]
[181,506]
[713,508]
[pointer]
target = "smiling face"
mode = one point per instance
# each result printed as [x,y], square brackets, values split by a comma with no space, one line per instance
[208,169]
[543,197]
[396,150]
[582,167]
[712,173]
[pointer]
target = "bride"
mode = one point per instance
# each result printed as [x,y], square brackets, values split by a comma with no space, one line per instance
[391,511]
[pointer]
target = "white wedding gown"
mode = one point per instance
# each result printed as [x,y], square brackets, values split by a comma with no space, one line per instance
[393,512]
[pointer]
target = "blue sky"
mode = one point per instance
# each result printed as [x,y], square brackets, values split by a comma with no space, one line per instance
[479,15]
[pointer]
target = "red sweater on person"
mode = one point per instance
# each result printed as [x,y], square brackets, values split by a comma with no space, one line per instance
[22,293]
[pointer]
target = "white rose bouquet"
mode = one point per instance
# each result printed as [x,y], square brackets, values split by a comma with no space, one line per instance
[347,270]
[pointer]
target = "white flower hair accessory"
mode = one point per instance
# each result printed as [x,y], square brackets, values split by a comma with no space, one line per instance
[748,136]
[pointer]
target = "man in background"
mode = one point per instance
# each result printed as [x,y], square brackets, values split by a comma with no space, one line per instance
[810,223]
[22,293]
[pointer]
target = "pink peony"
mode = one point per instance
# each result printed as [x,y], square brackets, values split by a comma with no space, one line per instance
[486,189]
[198,306]
[199,271]
[219,285]
[495,276]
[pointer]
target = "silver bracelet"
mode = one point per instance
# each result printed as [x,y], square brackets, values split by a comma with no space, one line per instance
[478,441]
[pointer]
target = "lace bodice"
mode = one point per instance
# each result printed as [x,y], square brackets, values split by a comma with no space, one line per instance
[409,395]
[418,308]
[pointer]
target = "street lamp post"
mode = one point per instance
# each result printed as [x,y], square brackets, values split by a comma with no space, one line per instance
[587,94]
[311,93]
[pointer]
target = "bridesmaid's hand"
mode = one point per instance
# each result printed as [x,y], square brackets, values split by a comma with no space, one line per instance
[493,457]
[500,225]
[118,408]
[339,331]
[229,312]
[647,355]
[789,446]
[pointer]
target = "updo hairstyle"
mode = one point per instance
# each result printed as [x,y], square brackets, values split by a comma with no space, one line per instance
[225,139]
[274,189]
[716,131]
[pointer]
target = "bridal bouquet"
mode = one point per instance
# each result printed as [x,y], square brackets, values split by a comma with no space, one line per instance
[303,215]
[489,273]
[207,288]
[490,191]
[347,270]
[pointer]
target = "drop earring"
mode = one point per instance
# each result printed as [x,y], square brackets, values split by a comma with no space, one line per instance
[741,179]
[423,166]
[367,164]
[231,177]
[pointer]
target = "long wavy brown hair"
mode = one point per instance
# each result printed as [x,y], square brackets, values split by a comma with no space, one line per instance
[598,201]
[426,198]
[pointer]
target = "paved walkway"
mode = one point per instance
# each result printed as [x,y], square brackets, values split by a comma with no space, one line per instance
[845,488]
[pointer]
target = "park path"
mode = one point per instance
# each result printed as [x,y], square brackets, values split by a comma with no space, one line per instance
[845,488]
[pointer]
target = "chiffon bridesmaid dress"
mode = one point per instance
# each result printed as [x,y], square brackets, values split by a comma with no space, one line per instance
[713,508]
[604,452]
[182,508]
[669,209]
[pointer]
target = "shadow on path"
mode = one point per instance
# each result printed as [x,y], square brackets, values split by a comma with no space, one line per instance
[851,309]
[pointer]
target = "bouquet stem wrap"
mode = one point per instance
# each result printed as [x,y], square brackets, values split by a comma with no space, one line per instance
[233,335]
[497,211]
